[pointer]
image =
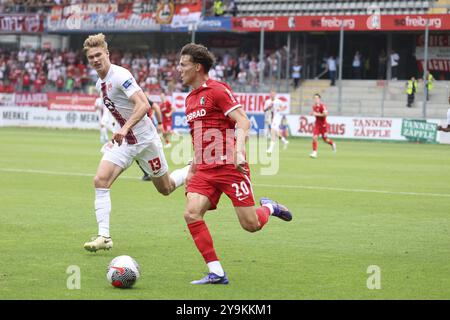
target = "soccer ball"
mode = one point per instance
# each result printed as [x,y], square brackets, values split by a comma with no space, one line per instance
[123,272]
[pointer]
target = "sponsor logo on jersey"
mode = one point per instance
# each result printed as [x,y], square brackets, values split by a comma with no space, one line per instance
[195,114]
[127,83]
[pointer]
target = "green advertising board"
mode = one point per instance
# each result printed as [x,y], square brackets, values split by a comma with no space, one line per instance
[419,130]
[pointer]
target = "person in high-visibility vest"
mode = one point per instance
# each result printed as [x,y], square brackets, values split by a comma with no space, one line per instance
[411,88]
[218,8]
[428,84]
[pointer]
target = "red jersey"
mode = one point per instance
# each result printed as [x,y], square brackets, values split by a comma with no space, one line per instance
[212,131]
[320,108]
[166,107]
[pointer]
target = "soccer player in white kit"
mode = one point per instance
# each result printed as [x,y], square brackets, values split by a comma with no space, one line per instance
[274,104]
[106,120]
[137,138]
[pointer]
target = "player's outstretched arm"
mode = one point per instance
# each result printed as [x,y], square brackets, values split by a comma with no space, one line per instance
[141,107]
[319,114]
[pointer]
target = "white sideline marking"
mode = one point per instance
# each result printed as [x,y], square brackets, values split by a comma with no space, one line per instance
[78,174]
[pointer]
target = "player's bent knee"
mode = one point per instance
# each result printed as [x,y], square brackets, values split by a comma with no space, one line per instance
[100,182]
[250,227]
[165,191]
[191,216]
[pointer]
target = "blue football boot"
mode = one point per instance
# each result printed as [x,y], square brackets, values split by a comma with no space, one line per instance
[279,210]
[212,278]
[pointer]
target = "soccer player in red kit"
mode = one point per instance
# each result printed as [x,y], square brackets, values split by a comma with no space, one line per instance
[219,127]
[166,111]
[320,111]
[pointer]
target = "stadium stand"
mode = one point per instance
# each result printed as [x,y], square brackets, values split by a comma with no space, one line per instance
[364,97]
[330,7]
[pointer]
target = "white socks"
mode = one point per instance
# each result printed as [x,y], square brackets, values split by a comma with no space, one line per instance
[269,206]
[179,175]
[102,210]
[272,144]
[216,267]
[103,135]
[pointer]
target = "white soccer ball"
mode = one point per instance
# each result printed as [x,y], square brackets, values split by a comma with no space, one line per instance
[123,272]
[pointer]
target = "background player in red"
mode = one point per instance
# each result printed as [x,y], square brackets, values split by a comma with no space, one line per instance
[166,111]
[219,128]
[320,111]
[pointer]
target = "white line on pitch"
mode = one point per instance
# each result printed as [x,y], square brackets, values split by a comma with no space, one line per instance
[78,174]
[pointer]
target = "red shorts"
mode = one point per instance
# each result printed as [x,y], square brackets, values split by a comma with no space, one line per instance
[167,126]
[224,179]
[320,129]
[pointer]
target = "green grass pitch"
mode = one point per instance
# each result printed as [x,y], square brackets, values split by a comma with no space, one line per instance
[370,204]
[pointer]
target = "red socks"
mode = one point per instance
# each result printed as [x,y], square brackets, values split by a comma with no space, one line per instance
[203,240]
[263,214]
[314,145]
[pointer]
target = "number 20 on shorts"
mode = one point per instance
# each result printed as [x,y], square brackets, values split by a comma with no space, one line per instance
[241,190]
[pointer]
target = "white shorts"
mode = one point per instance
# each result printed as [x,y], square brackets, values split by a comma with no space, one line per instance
[148,152]
[276,123]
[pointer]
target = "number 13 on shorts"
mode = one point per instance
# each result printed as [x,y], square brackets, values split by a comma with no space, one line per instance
[155,164]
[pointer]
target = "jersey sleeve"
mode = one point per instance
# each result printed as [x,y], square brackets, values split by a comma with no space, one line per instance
[225,100]
[126,83]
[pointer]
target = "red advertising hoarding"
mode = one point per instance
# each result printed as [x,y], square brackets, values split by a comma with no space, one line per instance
[55,100]
[373,22]
[21,23]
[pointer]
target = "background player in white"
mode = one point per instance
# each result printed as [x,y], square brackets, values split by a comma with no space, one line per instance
[274,104]
[106,120]
[103,131]
[136,139]
[268,116]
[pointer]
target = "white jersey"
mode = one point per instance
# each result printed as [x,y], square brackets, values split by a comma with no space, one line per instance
[448,116]
[116,89]
[276,108]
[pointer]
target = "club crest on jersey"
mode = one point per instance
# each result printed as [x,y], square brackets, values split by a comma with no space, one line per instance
[127,83]
[202,101]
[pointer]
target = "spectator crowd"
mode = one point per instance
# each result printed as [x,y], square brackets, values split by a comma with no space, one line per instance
[40,6]
[45,70]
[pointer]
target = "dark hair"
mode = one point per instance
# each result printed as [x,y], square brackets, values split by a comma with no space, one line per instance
[199,54]
[316,94]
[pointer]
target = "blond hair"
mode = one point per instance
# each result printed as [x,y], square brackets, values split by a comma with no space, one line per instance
[94,41]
